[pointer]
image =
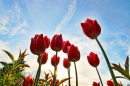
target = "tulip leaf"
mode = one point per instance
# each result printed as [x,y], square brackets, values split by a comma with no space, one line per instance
[10,55]
[63,80]
[121,70]
[127,65]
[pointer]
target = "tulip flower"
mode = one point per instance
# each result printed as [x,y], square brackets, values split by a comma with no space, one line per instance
[73,56]
[91,28]
[56,42]
[96,84]
[53,60]
[65,46]
[66,63]
[37,45]
[73,53]
[43,57]
[93,59]
[28,81]
[47,41]
[110,83]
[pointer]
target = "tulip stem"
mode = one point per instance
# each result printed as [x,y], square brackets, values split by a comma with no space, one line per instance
[69,76]
[76,74]
[108,63]
[55,71]
[99,76]
[38,71]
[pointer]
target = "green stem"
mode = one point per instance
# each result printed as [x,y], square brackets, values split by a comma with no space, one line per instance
[99,76]
[108,63]
[38,71]
[69,76]
[76,74]
[55,71]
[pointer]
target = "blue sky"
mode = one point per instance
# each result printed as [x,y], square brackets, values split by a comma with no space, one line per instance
[20,20]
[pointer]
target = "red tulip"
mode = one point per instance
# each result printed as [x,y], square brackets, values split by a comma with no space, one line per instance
[73,53]
[66,63]
[91,28]
[57,81]
[53,60]
[37,45]
[28,81]
[110,83]
[44,57]
[65,46]
[56,42]
[93,59]
[47,41]
[96,84]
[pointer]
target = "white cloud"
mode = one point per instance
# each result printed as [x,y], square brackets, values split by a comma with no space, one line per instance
[11,22]
[20,26]
[68,16]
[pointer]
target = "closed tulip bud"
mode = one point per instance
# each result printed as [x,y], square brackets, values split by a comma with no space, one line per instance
[53,60]
[91,28]
[73,53]
[28,81]
[43,57]
[96,84]
[65,46]
[37,45]
[110,83]
[47,41]
[66,63]
[56,42]
[93,59]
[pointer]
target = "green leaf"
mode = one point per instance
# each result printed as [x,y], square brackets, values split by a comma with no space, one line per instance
[63,80]
[127,65]
[21,65]
[121,70]
[4,63]
[10,55]
[17,76]
[1,84]
[121,77]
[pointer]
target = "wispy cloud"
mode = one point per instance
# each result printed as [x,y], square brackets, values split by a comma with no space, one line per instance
[19,28]
[11,21]
[67,17]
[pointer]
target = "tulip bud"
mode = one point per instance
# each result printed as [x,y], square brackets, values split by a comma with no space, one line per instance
[47,41]
[53,60]
[110,83]
[93,59]
[73,53]
[56,42]
[91,28]
[37,45]
[66,63]
[96,84]
[65,46]
[28,81]
[43,57]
